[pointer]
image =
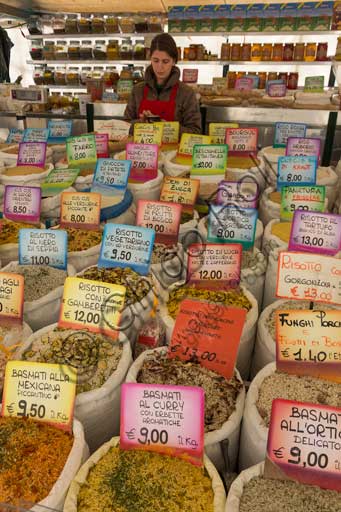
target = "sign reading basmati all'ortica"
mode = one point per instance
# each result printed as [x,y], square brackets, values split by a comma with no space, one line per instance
[164,419]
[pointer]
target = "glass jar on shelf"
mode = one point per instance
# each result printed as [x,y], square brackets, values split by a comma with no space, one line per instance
[71,24]
[127,25]
[267,52]
[85,74]
[126,49]
[34,26]
[84,25]
[262,80]
[235,51]
[100,50]
[246,52]
[186,53]
[48,76]
[200,50]
[322,52]
[72,76]
[126,73]
[139,52]
[113,50]
[141,24]
[288,52]
[36,50]
[97,25]
[192,52]
[74,50]
[46,24]
[38,75]
[155,24]
[310,52]
[58,24]
[277,53]
[111,25]
[293,81]
[256,52]
[60,75]
[61,50]
[138,74]
[178,48]
[231,79]
[299,52]
[272,76]
[86,50]
[225,51]
[110,76]
[97,73]
[48,50]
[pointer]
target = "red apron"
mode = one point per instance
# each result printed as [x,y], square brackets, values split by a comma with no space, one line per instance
[163,109]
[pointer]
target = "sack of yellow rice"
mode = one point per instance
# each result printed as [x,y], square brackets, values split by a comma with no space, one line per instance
[11,338]
[252,492]
[46,460]
[43,291]
[138,480]
[246,169]
[276,234]
[203,227]
[268,385]
[102,364]
[224,400]
[265,346]
[240,297]
[25,175]
[9,239]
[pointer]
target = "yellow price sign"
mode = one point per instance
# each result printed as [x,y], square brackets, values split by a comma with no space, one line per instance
[217,131]
[148,133]
[41,391]
[188,140]
[92,305]
[80,209]
[171,132]
[11,297]
[180,190]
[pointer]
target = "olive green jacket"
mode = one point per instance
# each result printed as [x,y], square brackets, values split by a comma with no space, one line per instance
[187,110]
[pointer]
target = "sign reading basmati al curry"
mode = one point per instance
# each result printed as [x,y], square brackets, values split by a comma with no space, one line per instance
[164,419]
[41,391]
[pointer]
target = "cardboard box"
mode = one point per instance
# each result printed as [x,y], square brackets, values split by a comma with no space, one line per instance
[222,18]
[271,17]
[254,18]
[288,17]
[238,18]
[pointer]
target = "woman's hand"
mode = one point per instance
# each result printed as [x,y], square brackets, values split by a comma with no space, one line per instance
[145,114]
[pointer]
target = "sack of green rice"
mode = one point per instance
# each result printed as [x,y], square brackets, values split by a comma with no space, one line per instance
[224,400]
[102,364]
[151,482]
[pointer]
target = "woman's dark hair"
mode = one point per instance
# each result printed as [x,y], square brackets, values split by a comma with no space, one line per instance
[164,43]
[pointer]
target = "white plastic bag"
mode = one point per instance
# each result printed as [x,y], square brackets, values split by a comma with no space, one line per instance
[202,227]
[248,335]
[271,277]
[270,241]
[237,487]
[81,477]
[256,174]
[173,169]
[99,409]
[149,190]
[27,180]
[221,446]
[44,311]
[50,206]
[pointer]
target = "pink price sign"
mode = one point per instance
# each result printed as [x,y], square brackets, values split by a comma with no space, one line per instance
[102,145]
[161,216]
[301,146]
[242,141]
[244,84]
[22,204]
[316,232]
[190,76]
[303,444]
[32,153]
[144,161]
[277,90]
[164,419]
[213,266]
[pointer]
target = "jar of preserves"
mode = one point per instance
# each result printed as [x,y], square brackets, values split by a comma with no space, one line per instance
[74,50]
[299,52]
[283,76]
[293,81]
[225,52]
[98,73]
[71,24]
[139,50]
[141,24]
[262,80]
[246,52]
[272,76]
[48,50]
[58,24]
[277,52]
[138,74]
[155,24]
[267,52]
[126,73]
[48,76]
[38,75]
[241,74]
[72,76]
[256,52]
[111,25]
[100,50]
[85,74]
[192,55]
[200,52]
[36,50]
[288,52]
[97,25]
[127,25]
[126,49]
[60,75]
[61,51]
[34,26]
[322,52]
[186,53]
[84,25]
[86,50]
[113,50]
[235,51]
[179,53]
[231,79]
[108,77]
[310,52]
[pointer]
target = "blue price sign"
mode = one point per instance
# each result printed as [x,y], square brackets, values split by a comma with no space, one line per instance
[15,136]
[285,130]
[43,247]
[111,176]
[296,170]
[36,135]
[59,130]
[232,224]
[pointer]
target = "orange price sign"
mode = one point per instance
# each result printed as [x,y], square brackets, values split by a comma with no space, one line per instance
[11,297]
[180,190]
[80,209]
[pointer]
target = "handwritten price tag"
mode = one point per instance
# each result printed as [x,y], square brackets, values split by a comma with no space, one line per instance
[301,198]
[301,444]
[116,129]
[188,140]
[285,130]
[277,90]
[217,131]
[209,159]
[58,180]
[180,190]
[111,176]
[163,218]
[309,277]
[214,265]
[296,170]
[170,134]
[59,130]
[316,232]
[102,145]
[81,151]
[144,161]
[91,305]
[32,153]
[307,343]
[11,297]
[15,136]
[314,84]
[242,140]
[242,194]
[127,246]
[244,84]
[80,209]
[148,133]
[299,146]
[190,76]
[180,433]
[22,204]
[43,247]
[36,135]
[200,335]
[229,223]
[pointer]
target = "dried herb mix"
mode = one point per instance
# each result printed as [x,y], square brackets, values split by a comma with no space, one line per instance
[163,252]
[39,279]
[141,481]
[9,232]
[82,239]
[220,394]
